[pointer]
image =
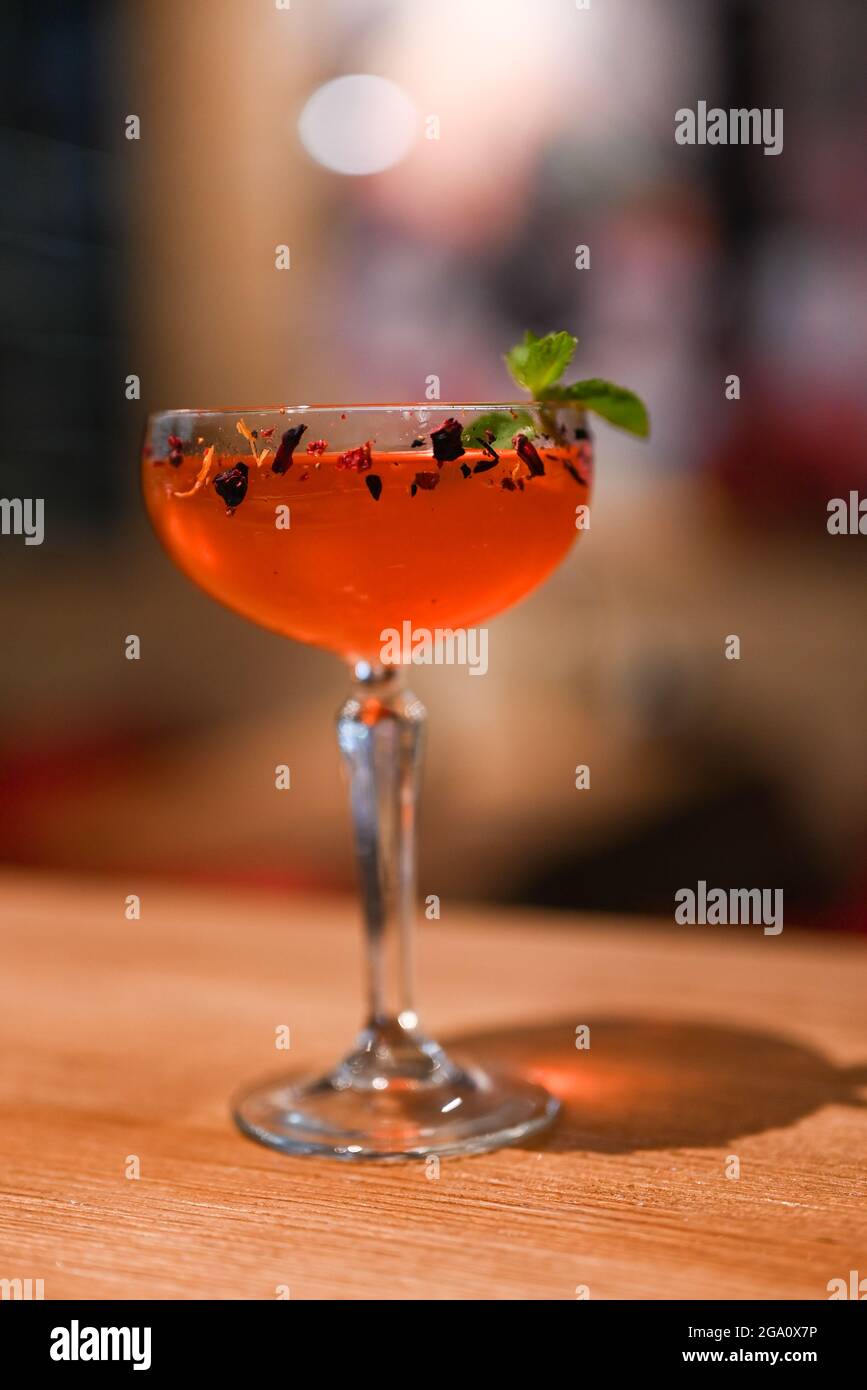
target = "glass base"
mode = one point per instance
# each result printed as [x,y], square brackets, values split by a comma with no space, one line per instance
[387,1104]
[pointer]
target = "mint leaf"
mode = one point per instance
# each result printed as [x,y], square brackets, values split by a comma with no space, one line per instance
[614,403]
[538,362]
[503,424]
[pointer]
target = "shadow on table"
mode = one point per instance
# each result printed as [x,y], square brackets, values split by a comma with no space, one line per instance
[648,1084]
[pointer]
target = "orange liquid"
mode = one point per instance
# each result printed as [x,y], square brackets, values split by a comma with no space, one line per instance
[349,566]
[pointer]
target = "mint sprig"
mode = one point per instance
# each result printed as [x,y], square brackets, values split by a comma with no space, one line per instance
[614,403]
[501,424]
[538,363]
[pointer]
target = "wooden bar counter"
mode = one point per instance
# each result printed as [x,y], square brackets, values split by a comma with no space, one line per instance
[713,1142]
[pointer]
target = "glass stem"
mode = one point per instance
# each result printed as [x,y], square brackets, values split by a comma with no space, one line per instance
[380,732]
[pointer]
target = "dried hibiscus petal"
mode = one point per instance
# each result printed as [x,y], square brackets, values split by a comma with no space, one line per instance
[488,446]
[359,460]
[374,485]
[175,442]
[231,485]
[529,454]
[574,473]
[447,441]
[288,445]
[266,434]
[466,470]
[484,464]
[427,481]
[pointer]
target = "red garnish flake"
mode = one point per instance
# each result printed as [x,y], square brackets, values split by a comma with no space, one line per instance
[288,445]
[374,486]
[175,442]
[484,464]
[466,470]
[266,434]
[317,446]
[447,441]
[231,485]
[359,460]
[574,473]
[427,481]
[508,485]
[529,454]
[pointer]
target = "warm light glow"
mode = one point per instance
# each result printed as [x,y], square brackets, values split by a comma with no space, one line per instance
[358,124]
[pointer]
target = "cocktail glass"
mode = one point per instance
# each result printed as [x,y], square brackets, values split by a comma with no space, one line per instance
[354,528]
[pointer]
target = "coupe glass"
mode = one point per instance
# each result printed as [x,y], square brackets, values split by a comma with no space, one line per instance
[341,526]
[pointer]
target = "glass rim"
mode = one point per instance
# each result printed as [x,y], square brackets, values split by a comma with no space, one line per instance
[387,407]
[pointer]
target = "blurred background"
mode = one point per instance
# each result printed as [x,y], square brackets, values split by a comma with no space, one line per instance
[513,133]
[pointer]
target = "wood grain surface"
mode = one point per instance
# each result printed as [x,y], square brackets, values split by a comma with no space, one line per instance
[122,1040]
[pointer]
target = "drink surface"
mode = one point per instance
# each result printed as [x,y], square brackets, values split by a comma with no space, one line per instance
[440,546]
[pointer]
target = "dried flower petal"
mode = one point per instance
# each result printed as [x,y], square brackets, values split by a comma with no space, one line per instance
[248,434]
[201,476]
[175,442]
[286,448]
[374,486]
[231,485]
[529,454]
[427,481]
[487,447]
[447,441]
